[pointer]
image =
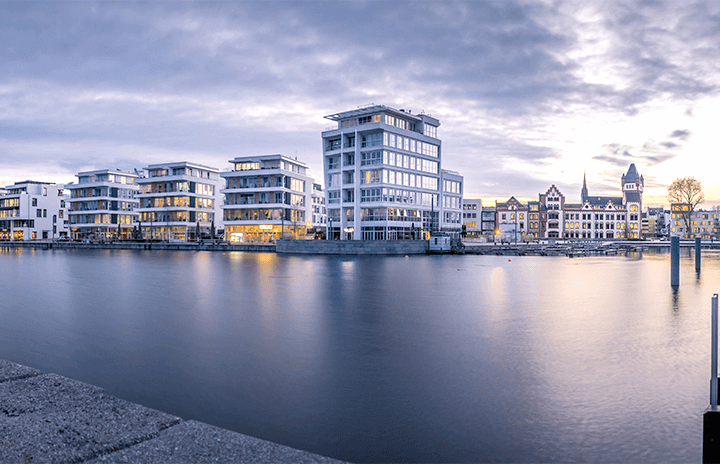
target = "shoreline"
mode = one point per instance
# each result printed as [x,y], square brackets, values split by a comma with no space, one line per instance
[51,418]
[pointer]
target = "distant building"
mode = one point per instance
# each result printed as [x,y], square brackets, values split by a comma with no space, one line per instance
[452,200]
[703,223]
[472,217]
[31,210]
[102,205]
[512,219]
[179,201]
[267,197]
[319,212]
[595,217]
[488,221]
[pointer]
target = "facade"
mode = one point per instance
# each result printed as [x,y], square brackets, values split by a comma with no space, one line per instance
[267,197]
[488,218]
[451,183]
[472,217]
[179,201]
[319,212]
[32,210]
[102,205]
[382,171]
[595,217]
[512,219]
[703,223]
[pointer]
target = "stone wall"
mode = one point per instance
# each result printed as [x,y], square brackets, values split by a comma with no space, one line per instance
[353,247]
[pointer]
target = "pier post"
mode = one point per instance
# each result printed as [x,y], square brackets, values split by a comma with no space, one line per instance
[675,261]
[698,245]
[711,418]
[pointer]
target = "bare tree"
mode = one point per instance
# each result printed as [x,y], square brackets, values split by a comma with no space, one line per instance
[686,191]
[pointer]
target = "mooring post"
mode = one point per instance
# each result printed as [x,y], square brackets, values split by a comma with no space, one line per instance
[675,261]
[698,245]
[711,418]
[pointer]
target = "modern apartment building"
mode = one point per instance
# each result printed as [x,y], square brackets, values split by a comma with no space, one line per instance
[179,201]
[319,211]
[702,223]
[32,210]
[267,197]
[472,217]
[102,205]
[382,174]
[451,183]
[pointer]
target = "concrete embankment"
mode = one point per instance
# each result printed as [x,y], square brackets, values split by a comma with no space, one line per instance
[353,247]
[50,418]
[190,246]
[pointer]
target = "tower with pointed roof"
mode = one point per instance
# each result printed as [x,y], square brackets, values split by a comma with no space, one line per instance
[632,187]
[584,192]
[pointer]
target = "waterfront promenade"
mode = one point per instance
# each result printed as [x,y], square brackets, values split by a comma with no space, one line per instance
[50,418]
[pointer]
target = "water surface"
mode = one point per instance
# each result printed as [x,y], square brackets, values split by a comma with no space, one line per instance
[383,359]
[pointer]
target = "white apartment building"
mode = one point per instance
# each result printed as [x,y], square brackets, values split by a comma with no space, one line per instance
[472,217]
[267,197]
[32,210]
[382,174]
[452,202]
[319,211]
[179,201]
[102,205]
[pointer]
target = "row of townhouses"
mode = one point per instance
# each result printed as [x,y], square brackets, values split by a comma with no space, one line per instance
[594,217]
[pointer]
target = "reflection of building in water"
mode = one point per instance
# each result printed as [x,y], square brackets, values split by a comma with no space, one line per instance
[267,197]
[595,217]
[178,201]
[102,205]
[32,210]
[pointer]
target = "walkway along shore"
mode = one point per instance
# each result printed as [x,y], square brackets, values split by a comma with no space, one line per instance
[50,418]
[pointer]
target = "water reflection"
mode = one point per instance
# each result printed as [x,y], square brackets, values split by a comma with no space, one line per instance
[384,359]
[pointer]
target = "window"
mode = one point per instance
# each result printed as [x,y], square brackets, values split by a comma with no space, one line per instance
[34,201]
[372,140]
[38,212]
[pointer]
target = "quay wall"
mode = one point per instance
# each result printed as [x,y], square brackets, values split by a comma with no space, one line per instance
[353,247]
[143,246]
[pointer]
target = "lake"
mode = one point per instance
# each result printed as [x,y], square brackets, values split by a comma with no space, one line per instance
[383,359]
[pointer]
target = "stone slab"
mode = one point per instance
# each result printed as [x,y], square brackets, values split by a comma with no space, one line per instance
[196,442]
[11,371]
[49,418]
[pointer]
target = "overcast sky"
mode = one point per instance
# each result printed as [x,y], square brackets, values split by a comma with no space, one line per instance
[528,94]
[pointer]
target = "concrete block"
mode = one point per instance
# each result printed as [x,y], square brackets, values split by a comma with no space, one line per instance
[50,418]
[197,442]
[11,371]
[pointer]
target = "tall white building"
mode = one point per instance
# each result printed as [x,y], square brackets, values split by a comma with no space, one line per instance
[32,210]
[267,197]
[102,205]
[382,174]
[178,201]
[319,211]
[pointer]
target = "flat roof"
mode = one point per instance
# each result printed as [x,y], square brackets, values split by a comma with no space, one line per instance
[178,164]
[378,108]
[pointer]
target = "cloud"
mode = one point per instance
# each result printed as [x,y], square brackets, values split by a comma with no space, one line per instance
[682,134]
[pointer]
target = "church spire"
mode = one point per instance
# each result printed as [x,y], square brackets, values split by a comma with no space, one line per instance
[584,193]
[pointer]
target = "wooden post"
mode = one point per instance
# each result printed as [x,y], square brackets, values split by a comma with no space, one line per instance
[711,418]
[698,245]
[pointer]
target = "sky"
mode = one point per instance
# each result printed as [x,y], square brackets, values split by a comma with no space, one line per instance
[528,94]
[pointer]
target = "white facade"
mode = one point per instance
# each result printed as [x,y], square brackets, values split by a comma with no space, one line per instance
[267,197]
[319,210]
[33,211]
[102,205]
[178,200]
[382,174]
[451,205]
[472,216]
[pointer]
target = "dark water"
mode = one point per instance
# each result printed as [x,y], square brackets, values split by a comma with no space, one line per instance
[383,359]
